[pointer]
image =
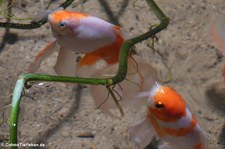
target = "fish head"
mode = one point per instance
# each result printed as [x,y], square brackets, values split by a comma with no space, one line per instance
[64,22]
[166,104]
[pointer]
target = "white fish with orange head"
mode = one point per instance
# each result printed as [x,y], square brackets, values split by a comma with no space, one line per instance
[80,33]
[170,120]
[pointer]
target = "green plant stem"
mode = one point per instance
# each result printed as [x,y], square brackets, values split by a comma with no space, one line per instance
[120,76]
[32,25]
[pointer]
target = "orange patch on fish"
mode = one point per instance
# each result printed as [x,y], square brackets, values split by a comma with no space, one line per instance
[64,14]
[180,131]
[174,105]
[108,53]
[172,131]
[199,146]
[156,126]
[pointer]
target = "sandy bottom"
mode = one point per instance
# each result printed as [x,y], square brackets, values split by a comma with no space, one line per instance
[55,113]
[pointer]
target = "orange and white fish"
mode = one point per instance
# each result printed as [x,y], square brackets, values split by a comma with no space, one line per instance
[80,33]
[170,120]
[217,33]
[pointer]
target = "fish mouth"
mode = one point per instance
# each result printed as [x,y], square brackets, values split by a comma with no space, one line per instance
[55,33]
[58,33]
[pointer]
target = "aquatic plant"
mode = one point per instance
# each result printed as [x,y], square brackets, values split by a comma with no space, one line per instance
[31,25]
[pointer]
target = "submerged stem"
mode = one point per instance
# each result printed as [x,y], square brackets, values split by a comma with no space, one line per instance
[115,99]
[32,25]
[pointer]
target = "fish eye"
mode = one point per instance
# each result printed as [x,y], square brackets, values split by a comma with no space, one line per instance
[62,24]
[159,105]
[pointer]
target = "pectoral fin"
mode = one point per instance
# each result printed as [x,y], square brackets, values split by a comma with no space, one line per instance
[141,133]
[47,51]
[66,61]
